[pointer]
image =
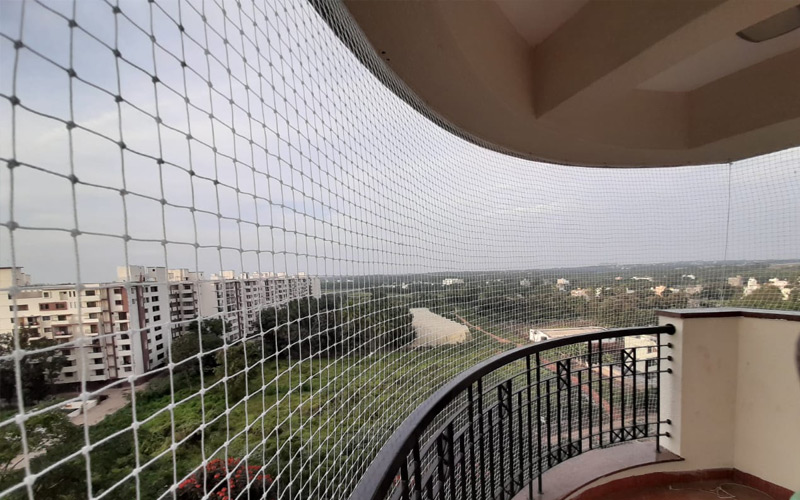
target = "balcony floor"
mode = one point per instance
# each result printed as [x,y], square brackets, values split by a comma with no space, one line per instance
[697,490]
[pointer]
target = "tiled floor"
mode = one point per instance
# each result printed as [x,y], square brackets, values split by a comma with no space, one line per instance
[701,490]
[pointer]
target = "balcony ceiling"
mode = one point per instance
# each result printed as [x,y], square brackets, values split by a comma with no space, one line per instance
[597,82]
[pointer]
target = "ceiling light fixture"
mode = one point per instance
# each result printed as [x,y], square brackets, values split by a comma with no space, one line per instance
[773,27]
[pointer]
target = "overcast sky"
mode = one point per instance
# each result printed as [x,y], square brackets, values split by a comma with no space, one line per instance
[311,166]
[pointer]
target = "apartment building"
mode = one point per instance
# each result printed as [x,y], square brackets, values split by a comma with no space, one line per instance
[92,322]
[190,297]
[121,329]
[240,299]
[149,305]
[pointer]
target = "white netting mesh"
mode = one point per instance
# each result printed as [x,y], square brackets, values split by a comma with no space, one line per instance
[146,146]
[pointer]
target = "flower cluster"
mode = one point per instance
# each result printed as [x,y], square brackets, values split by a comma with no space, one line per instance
[226,480]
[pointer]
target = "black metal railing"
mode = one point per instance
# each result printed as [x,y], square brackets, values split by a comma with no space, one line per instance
[498,426]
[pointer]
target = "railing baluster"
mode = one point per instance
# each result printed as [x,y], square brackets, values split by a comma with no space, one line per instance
[600,372]
[501,438]
[658,402]
[463,445]
[591,390]
[520,449]
[568,382]
[539,418]
[622,355]
[510,424]
[404,480]
[580,410]
[646,398]
[450,456]
[492,485]
[417,472]
[530,426]
[559,431]
[634,408]
[471,414]
[481,442]
[549,427]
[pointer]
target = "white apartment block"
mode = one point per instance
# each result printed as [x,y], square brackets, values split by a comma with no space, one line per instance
[92,323]
[149,304]
[240,299]
[115,330]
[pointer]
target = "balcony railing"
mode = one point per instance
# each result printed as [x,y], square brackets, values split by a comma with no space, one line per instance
[498,426]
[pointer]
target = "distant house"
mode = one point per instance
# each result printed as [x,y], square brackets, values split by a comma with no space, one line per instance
[752,286]
[736,281]
[452,281]
[581,292]
[646,347]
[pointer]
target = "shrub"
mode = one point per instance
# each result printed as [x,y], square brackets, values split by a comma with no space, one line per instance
[227,480]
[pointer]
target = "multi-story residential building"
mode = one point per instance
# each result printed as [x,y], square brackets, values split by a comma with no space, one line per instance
[92,321]
[190,297]
[149,304]
[240,299]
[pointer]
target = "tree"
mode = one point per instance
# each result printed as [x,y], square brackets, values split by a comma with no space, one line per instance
[188,347]
[39,368]
[214,326]
[43,432]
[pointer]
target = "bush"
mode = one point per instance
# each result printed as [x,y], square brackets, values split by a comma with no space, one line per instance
[227,480]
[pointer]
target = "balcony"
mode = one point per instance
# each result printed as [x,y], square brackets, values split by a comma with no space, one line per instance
[571,418]
[393,202]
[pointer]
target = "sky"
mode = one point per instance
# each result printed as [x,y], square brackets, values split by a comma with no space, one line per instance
[277,151]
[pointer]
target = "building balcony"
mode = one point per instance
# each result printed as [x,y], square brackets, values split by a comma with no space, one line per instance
[571,418]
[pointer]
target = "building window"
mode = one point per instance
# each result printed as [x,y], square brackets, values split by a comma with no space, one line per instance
[97,361]
[156,308]
[157,318]
[45,295]
[159,347]
[118,291]
[92,315]
[123,315]
[187,287]
[91,304]
[96,349]
[90,293]
[62,318]
[117,302]
[159,337]
[160,356]
[154,289]
[156,328]
[98,373]
[154,298]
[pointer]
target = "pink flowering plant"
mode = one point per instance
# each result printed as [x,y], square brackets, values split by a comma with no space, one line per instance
[226,481]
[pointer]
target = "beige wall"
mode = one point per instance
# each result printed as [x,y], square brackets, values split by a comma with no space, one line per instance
[767,433]
[733,398]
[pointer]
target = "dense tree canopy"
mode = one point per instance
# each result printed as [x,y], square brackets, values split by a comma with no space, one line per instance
[39,368]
